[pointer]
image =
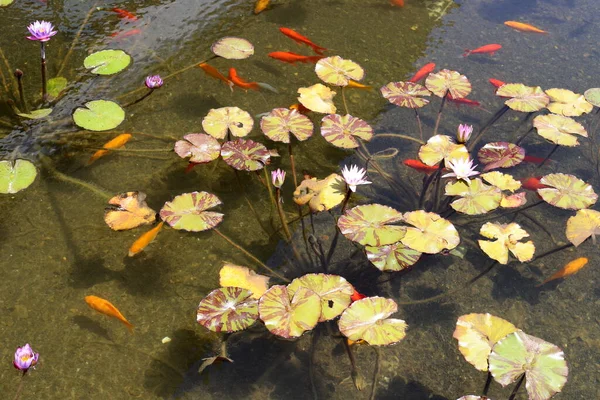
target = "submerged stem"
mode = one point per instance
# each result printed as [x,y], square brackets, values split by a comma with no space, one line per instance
[86,185]
[284,223]
[76,39]
[20,387]
[549,155]
[344,99]
[419,124]
[150,91]
[333,245]
[400,136]
[488,383]
[439,116]
[19,75]
[375,372]
[487,126]
[44,84]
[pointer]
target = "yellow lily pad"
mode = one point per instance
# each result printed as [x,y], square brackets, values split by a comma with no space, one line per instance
[335,292]
[430,232]
[289,316]
[582,225]
[475,196]
[447,81]
[567,103]
[507,239]
[321,195]
[558,129]
[567,191]
[523,98]
[502,181]
[406,94]
[317,98]
[393,257]
[441,147]
[337,71]
[219,121]
[243,277]
[513,200]
[369,225]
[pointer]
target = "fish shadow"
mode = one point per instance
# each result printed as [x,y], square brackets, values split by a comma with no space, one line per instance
[92,326]
[509,283]
[435,312]
[144,274]
[190,105]
[400,388]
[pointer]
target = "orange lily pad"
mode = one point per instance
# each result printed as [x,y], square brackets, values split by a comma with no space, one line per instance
[245,278]
[129,210]
[406,94]
[507,239]
[430,233]
[567,191]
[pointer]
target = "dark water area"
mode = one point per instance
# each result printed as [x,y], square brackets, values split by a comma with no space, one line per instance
[55,249]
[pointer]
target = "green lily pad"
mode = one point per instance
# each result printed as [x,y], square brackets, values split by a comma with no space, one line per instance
[334,291]
[227,309]
[245,155]
[344,131]
[200,147]
[430,232]
[593,96]
[523,98]
[567,191]
[36,114]
[368,225]
[107,62]
[4,3]
[289,316]
[406,94]
[188,212]
[367,319]
[500,155]
[100,115]
[56,85]
[16,175]
[393,257]
[475,196]
[542,363]
[448,82]
[280,122]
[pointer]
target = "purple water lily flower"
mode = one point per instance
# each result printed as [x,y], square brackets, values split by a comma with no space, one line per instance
[153,81]
[278,176]
[25,358]
[41,31]
[463,133]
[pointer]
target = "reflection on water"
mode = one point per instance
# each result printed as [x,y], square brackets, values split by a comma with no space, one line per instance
[56,249]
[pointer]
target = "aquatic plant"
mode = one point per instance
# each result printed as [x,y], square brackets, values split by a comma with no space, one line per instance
[25,358]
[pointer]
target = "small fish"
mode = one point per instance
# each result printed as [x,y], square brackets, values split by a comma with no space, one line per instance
[105,307]
[520,26]
[488,48]
[212,71]
[536,160]
[292,58]
[569,269]
[233,76]
[143,241]
[496,82]
[298,38]
[419,166]
[190,166]
[397,3]
[464,101]
[121,35]
[300,108]
[261,6]
[115,143]
[357,296]
[124,14]
[532,183]
[354,84]
[423,72]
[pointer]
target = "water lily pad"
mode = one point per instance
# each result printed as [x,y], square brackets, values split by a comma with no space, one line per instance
[406,94]
[507,239]
[321,195]
[337,71]
[16,175]
[129,210]
[567,103]
[99,115]
[245,155]
[393,257]
[558,129]
[36,114]
[500,155]
[4,3]
[441,147]
[451,82]
[243,277]
[227,309]
[593,96]
[513,200]
[473,397]
[219,121]
[107,62]
[317,98]
[542,363]
[475,196]
[501,181]
[289,316]
[55,86]
[200,147]
[430,232]
[523,98]
[233,48]
[343,131]
[367,319]
[369,225]
[567,191]
[477,334]
[582,225]
[188,212]
[333,290]
[280,122]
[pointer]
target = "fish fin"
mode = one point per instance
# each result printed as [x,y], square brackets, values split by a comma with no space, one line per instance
[466,53]
[129,326]
[266,86]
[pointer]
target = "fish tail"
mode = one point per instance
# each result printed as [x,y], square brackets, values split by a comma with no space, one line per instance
[313,59]
[466,53]
[129,326]
[318,49]
[267,87]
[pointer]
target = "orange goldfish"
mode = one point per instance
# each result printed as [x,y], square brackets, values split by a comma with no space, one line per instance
[300,108]
[520,26]
[298,38]
[121,35]
[354,84]
[116,143]
[488,48]
[356,295]
[124,14]
[260,6]
[532,183]
[212,71]
[569,269]
[496,82]
[233,76]
[105,307]
[143,241]
[419,166]
[399,3]
[292,58]
[423,72]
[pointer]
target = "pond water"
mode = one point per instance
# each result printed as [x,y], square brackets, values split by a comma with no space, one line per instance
[56,249]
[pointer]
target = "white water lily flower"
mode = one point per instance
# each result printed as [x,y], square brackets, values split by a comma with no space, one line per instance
[462,168]
[354,176]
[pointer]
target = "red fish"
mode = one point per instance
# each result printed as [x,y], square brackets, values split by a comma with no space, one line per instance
[212,71]
[237,81]
[125,34]
[536,160]
[419,166]
[497,83]
[300,108]
[357,296]
[423,72]
[398,3]
[487,49]
[532,183]
[464,101]
[292,58]
[190,166]
[124,14]
[298,38]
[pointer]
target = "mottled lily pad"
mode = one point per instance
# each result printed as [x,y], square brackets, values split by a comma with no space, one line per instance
[441,147]
[523,98]
[16,175]
[107,62]
[582,225]
[200,147]
[500,155]
[219,121]
[507,239]
[245,155]
[233,48]
[99,115]
[406,94]
[369,225]
[367,319]
[593,96]
[344,131]
[475,196]
[337,71]
[334,291]
[129,210]
[448,82]
[501,181]
[393,257]
[36,114]
[321,195]
[280,122]
[567,191]
[430,232]
[188,212]
[567,103]
[317,98]
[558,129]
[243,277]
[227,309]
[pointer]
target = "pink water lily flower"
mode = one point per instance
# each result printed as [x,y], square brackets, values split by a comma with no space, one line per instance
[153,81]
[41,31]
[278,176]
[25,358]
[464,133]
[354,176]
[462,168]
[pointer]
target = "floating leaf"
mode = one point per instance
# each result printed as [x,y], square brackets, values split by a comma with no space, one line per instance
[321,195]
[233,48]
[446,81]
[558,129]
[219,121]
[501,181]
[431,233]
[441,147]
[367,319]
[36,114]
[337,71]
[473,397]
[593,96]
[369,225]
[280,122]
[500,155]
[245,155]
[228,309]
[107,62]
[393,257]
[582,225]
[289,316]
[200,147]
[523,98]
[100,115]
[16,175]
[317,98]
[514,200]
[406,94]
[4,3]
[245,278]
[188,212]
[567,191]
[333,290]
[542,363]
[477,334]
[129,211]
[567,103]
[475,196]
[342,131]
[55,86]
[507,239]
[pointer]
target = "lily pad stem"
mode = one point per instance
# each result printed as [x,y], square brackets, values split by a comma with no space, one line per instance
[552,251]
[333,245]
[44,84]
[375,372]
[76,39]
[488,383]
[344,100]
[270,189]
[487,126]
[7,65]
[517,387]
[427,183]
[150,91]
[549,155]
[86,185]
[419,124]
[284,223]
[439,116]
[357,378]
[518,142]
[398,135]
[20,387]
[19,75]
